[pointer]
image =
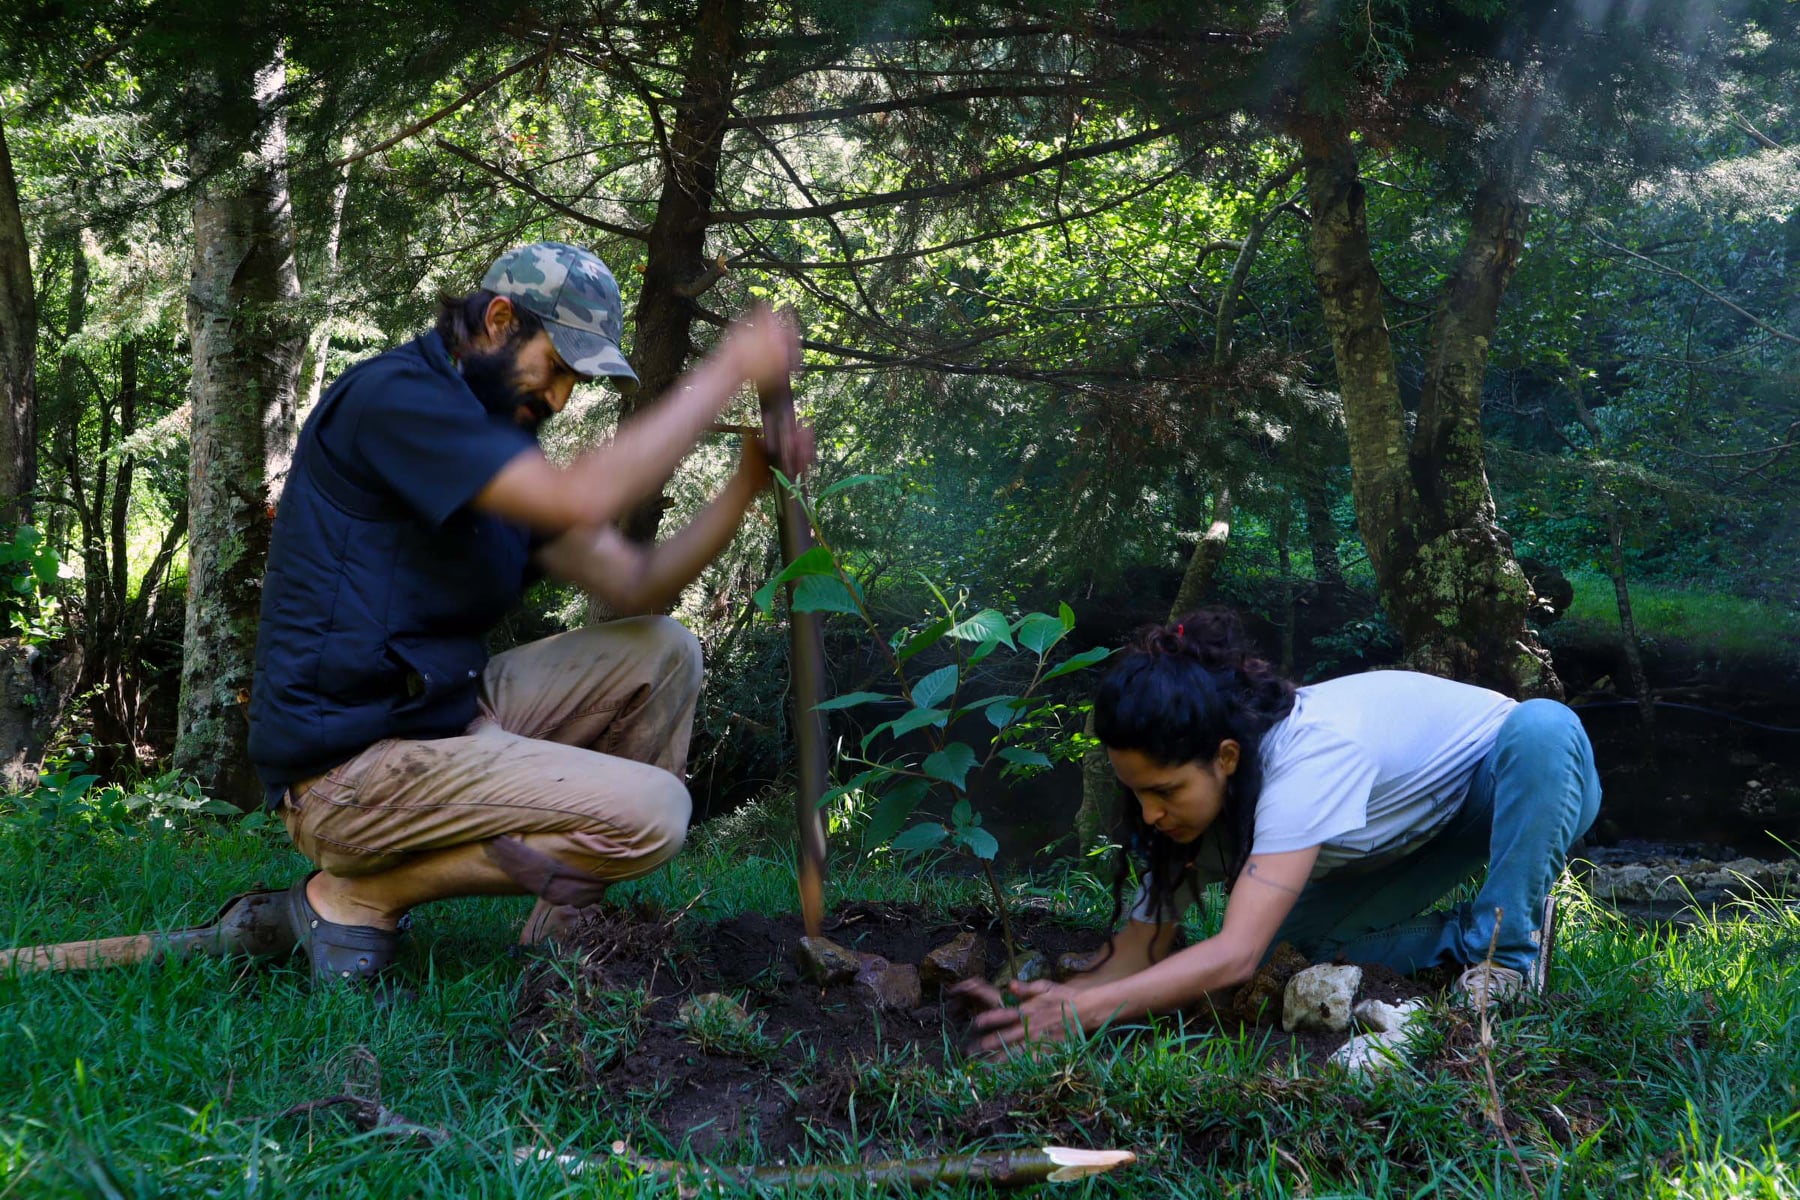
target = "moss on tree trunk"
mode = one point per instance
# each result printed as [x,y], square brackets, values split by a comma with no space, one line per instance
[1444,566]
[247,343]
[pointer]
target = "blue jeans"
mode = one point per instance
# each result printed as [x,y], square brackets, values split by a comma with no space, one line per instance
[1531,797]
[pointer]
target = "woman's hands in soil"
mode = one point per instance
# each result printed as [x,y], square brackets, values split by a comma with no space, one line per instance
[1047,1013]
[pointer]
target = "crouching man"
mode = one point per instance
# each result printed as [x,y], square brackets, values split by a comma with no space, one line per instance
[407,764]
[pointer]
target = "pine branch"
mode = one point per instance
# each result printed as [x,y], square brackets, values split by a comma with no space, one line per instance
[908,103]
[974,239]
[971,184]
[470,93]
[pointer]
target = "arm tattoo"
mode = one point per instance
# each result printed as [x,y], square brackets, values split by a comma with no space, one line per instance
[1250,873]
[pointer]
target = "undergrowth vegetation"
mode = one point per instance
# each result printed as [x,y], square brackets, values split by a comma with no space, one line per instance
[1666,1064]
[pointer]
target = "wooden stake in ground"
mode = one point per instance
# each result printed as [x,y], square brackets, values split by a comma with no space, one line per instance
[806,659]
[999,1168]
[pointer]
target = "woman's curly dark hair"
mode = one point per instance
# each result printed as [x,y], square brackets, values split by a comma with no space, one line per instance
[1174,694]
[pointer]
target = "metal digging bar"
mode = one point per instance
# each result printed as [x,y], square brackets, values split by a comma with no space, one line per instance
[806,657]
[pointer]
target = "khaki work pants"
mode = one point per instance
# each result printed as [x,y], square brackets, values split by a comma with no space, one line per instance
[583,735]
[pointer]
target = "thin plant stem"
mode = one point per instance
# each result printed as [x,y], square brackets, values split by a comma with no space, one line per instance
[1012,951]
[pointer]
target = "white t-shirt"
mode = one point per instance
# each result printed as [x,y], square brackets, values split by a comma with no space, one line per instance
[1367,768]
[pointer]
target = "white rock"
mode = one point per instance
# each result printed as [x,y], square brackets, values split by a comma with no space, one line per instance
[1377,1016]
[1389,1043]
[1320,997]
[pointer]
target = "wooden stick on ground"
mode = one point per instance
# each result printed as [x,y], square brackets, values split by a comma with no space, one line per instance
[998,1168]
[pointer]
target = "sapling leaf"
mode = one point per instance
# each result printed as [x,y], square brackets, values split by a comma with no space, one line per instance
[816,561]
[1002,711]
[924,639]
[1086,658]
[844,485]
[951,764]
[1038,632]
[979,841]
[918,718]
[850,700]
[1066,615]
[935,687]
[892,810]
[1019,756]
[982,651]
[988,625]
[928,836]
[823,593]
[862,780]
[960,815]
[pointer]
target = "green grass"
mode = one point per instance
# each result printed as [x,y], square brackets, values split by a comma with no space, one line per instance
[1711,624]
[1669,1069]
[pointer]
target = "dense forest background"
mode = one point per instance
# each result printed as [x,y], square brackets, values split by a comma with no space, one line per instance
[1461,334]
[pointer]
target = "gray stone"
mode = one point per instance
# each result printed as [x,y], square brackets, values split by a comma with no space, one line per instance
[1319,998]
[1701,879]
[885,985]
[1024,967]
[963,957]
[824,961]
[1077,962]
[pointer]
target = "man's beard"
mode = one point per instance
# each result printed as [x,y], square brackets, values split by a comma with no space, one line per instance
[490,374]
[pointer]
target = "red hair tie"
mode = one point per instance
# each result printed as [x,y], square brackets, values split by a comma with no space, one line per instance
[1180,630]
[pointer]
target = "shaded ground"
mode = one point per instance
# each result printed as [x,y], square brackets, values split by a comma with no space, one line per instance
[607,1014]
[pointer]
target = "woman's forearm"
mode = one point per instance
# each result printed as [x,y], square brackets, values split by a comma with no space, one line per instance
[1175,982]
[1133,948]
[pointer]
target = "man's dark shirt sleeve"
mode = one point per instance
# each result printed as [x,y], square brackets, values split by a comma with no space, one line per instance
[424,436]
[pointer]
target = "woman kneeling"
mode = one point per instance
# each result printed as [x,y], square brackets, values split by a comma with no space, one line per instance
[1336,815]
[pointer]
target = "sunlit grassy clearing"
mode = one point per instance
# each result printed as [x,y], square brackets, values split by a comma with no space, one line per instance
[1709,623]
[1676,1058]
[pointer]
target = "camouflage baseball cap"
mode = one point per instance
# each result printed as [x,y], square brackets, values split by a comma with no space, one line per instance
[576,297]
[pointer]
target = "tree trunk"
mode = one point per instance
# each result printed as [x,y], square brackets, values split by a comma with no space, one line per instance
[324,286]
[1615,537]
[18,354]
[1443,565]
[675,264]
[247,344]
[1209,552]
[1322,540]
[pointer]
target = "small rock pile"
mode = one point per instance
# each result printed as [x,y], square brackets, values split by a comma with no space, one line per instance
[1322,999]
[890,985]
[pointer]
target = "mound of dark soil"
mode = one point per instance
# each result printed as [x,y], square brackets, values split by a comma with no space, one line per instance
[606,1013]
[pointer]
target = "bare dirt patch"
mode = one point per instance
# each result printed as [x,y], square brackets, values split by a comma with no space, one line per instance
[783,1065]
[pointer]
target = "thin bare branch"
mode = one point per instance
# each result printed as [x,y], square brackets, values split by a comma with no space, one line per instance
[975,239]
[906,103]
[1695,283]
[574,214]
[973,183]
[421,125]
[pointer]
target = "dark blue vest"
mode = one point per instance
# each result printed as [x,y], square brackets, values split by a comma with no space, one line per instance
[373,622]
